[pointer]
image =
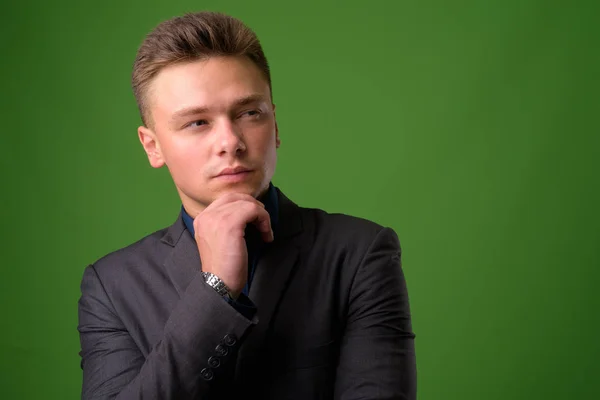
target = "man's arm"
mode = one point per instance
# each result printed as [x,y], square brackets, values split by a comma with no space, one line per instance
[377,357]
[201,326]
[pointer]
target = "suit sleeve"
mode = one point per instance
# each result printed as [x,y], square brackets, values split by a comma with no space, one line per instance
[200,327]
[377,356]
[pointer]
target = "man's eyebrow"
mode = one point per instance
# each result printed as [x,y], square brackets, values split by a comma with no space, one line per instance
[253,98]
[185,112]
[195,110]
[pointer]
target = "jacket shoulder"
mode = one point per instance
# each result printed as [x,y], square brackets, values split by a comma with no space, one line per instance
[345,229]
[342,222]
[145,251]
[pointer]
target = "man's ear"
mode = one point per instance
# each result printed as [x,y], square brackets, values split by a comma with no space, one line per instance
[277,139]
[151,146]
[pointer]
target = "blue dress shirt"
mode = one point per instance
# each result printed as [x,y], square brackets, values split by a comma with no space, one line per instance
[254,244]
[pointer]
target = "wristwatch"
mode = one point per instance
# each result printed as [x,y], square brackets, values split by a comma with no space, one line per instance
[217,284]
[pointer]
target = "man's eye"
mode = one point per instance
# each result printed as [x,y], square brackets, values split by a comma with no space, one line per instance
[251,113]
[200,122]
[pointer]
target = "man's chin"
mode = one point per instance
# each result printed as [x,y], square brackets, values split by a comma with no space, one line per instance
[245,188]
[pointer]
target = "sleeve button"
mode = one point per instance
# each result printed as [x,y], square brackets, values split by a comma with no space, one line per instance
[221,350]
[207,374]
[230,339]
[214,362]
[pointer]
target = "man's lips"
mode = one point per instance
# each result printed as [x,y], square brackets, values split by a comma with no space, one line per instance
[234,171]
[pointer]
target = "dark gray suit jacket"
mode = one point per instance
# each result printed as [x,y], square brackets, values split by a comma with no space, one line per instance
[333,318]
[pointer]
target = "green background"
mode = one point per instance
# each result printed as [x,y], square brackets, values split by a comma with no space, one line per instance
[470,127]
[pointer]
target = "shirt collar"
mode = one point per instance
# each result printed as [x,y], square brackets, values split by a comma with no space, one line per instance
[269,199]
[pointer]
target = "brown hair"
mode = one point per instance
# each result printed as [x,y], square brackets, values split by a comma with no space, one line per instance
[190,37]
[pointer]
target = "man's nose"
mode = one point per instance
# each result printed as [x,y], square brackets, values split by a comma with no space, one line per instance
[229,138]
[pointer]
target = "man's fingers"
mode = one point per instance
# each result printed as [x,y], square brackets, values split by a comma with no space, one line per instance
[263,224]
[233,197]
[243,208]
[260,218]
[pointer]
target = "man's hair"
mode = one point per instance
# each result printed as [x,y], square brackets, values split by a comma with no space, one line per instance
[192,37]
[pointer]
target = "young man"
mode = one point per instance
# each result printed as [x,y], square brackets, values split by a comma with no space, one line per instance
[246,295]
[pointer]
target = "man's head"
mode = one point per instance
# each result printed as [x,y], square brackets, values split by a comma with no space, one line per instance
[203,88]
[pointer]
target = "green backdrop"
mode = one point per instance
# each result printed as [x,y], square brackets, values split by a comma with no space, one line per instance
[470,127]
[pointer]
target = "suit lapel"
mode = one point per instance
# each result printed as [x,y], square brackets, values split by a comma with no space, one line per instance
[273,273]
[183,263]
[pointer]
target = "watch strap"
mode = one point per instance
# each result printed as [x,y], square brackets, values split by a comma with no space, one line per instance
[216,283]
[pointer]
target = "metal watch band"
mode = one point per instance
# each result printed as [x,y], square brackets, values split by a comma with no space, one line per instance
[216,283]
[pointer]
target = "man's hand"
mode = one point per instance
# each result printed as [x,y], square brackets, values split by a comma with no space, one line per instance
[219,231]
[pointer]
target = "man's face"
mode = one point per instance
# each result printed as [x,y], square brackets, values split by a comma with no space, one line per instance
[208,116]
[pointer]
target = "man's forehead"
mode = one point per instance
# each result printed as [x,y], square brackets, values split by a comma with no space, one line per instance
[200,84]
